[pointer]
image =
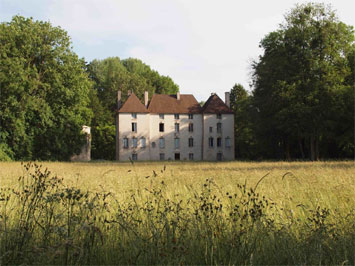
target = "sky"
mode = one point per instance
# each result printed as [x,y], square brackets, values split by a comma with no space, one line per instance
[205,46]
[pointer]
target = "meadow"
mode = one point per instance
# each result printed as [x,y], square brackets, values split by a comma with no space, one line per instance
[177,213]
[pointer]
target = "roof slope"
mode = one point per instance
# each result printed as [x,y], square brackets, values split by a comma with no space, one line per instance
[215,105]
[133,105]
[168,104]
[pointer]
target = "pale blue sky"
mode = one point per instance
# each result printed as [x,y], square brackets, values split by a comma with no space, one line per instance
[204,46]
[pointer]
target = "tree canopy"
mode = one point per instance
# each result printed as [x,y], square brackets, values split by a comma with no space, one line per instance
[303,84]
[44,92]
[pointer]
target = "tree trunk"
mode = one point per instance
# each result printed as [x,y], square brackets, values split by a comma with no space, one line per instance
[287,150]
[316,149]
[300,143]
[313,152]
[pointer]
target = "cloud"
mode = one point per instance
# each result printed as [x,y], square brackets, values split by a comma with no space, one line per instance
[205,46]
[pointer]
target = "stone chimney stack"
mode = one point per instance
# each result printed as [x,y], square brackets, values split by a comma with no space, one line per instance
[178,96]
[228,101]
[146,99]
[119,104]
[119,99]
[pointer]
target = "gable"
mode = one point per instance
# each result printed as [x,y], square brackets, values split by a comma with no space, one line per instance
[215,105]
[133,105]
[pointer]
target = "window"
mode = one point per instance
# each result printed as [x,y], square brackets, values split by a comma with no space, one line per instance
[191,116]
[191,127]
[161,116]
[134,142]
[219,127]
[219,142]
[125,143]
[161,127]
[134,157]
[176,116]
[161,156]
[219,116]
[161,143]
[177,156]
[134,115]
[228,142]
[191,142]
[177,143]
[177,127]
[191,156]
[134,127]
[143,144]
[211,129]
[219,156]
[153,144]
[210,142]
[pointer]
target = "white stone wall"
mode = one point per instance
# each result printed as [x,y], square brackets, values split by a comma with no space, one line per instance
[169,136]
[227,121]
[125,130]
[148,127]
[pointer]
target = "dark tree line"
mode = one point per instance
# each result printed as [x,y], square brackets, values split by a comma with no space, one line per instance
[302,103]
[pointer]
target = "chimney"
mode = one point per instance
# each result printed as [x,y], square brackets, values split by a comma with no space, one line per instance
[119,99]
[178,96]
[228,101]
[129,92]
[119,104]
[145,99]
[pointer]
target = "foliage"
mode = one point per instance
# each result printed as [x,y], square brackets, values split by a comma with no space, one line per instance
[111,75]
[44,91]
[44,221]
[241,104]
[300,83]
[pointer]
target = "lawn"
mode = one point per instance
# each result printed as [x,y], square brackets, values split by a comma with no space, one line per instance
[178,213]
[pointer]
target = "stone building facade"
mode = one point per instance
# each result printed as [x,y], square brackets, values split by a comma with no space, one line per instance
[174,127]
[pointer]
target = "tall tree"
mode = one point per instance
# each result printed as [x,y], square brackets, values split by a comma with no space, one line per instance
[44,92]
[243,112]
[300,77]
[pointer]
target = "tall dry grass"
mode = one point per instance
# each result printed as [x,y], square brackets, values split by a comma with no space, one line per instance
[178,212]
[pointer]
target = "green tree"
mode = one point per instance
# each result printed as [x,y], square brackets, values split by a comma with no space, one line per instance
[299,80]
[243,112]
[44,92]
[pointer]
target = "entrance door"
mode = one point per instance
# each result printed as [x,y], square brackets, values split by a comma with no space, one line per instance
[219,156]
[177,156]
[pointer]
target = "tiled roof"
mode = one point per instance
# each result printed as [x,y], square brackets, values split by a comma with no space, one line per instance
[133,105]
[168,104]
[215,105]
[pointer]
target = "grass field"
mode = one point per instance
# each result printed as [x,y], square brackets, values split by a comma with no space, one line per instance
[178,213]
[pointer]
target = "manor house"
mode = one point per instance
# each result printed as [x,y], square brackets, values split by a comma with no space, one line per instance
[174,127]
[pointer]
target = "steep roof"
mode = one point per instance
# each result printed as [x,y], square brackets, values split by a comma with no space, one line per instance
[133,105]
[215,105]
[169,104]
